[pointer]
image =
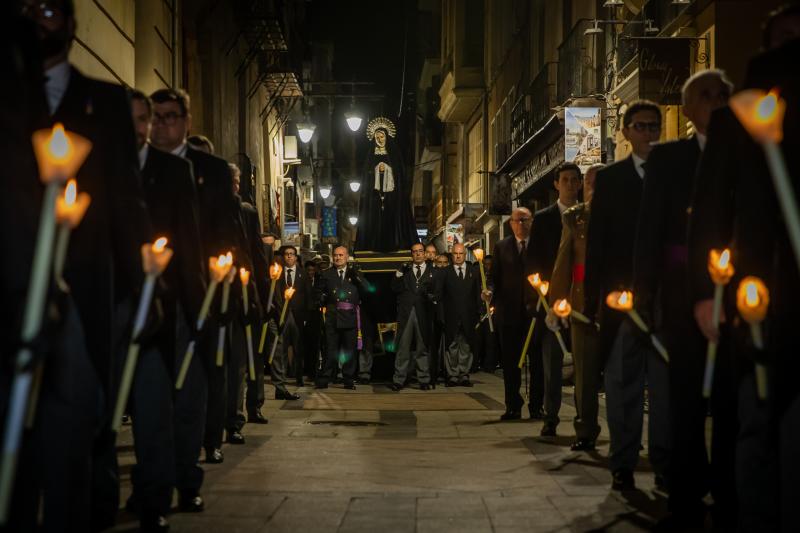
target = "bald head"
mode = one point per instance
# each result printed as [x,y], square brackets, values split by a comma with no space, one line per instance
[702,93]
[521,219]
[459,254]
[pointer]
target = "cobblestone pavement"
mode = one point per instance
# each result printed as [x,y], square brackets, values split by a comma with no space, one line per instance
[363,461]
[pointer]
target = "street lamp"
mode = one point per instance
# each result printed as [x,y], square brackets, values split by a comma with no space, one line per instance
[324,191]
[613,3]
[353,120]
[355,185]
[353,220]
[305,130]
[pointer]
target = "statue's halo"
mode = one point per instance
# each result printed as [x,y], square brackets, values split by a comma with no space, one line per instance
[378,123]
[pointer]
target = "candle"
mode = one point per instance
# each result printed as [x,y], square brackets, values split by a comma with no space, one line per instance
[543,288]
[527,343]
[752,301]
[274,273]
[155,258]
[762,116]
[721,271]
[563,309]
[218,268]
[623,301]
[287,295]
[70,209]
[478,253]
[59,155]
[226,294]
[244,277]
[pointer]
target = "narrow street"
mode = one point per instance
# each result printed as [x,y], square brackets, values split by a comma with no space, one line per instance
[372,460]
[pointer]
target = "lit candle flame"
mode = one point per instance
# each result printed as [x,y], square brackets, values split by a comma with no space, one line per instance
[288,293]
[478,253]
[720,267]
[752,299]
[724,258]
[760,113]
[244,276]
[562,308]
[70,192]
[160,244]
[275,271]
[620,300]
[623,298]
[767,107]
[544,287]
[751,294]
[535,280]
[59,145]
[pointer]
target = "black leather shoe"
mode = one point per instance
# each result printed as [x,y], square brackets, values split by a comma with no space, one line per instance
[582,445]
[622,479]
[191,503]
[424,386]
[465,383]
[537,414]
[154,523]
[395,387]
[257,418]
[350,386]
[285,395]
[235,437]
[510,415]
[214,456]
[548,430]
[451,383]
[364,380]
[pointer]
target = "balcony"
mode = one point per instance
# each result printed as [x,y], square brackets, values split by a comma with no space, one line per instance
[534,107]
[579,72]
[460,93]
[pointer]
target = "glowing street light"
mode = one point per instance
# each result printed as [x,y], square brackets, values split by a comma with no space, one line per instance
[355,185]
[324,191]
[354,120]
[305,130]
[353,220]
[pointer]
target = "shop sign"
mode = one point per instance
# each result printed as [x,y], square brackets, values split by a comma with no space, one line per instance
[582,136]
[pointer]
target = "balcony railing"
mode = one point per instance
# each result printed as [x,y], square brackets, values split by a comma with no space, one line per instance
[579,64]
[535,106]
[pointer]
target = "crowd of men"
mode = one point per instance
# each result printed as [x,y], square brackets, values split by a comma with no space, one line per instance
[644,224]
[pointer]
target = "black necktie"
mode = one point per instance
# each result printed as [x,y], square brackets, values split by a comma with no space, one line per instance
[419,272]
[341,275]
[522,248]
[289,280]
[460,273]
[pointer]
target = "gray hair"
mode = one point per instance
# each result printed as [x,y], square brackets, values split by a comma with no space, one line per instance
[697,76]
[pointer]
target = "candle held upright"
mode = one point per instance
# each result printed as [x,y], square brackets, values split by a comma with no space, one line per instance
[478,253]
[752,302]
[721,271]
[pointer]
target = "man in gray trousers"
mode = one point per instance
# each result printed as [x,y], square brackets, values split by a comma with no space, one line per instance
[414,288]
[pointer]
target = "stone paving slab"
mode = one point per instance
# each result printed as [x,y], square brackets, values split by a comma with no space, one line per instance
[352,470]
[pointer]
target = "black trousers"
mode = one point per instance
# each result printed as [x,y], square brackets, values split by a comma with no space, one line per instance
[239,375]
[311,344]
[512,338]
[340,346]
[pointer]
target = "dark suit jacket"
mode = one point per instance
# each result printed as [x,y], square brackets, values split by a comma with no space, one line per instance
[545,237]
[660,256]
[330,290]
[513,297]
[259,263]
[172,204]
[611,234]
[416,295]
[459,301]
[303,299]
[104,259]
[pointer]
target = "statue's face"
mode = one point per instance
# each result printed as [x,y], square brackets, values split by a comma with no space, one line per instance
[380,138]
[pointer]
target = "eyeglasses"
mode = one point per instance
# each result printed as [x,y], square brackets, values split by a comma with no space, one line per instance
[652,127]
[521,220]
[43,9]
[168,119]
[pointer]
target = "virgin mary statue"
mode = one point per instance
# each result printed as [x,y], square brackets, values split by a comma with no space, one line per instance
[385,221]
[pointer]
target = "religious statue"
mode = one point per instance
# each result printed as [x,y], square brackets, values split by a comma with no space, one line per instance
[385,220]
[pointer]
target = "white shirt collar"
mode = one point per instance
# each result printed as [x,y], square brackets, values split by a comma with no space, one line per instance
[422,266]
[461,266]
[701,140]
[638,163]
[181,150]
[143,151]
[562,207]
[56,83]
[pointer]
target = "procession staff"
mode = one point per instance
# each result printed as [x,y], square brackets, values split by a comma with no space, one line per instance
[514,300]
[339,290]
[567,282]
[544,241]
[155,412]
[735,204]
[458,289]
[172,121]
[414,286]
[630,359]
[660,283]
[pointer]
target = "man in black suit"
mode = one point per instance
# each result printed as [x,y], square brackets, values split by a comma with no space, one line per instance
[297,309]
[735,205]
[103,266]
[171,124]
[415,291]
[339,290]
[172,204]
[514,301]
[630,359]
[545,238]
[311,331]
[459,293]
[661,289]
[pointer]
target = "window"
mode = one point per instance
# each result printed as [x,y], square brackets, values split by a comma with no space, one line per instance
[475,163]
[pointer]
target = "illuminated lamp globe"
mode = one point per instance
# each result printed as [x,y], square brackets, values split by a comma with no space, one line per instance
[325,191]
[355,186]
[353,121]
[305,130]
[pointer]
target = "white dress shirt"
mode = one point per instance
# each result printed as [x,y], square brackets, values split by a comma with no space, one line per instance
[463,267]
[701,140]
[143,155]
[181,150]
[56,83]
[290,276]
[562,207]
[638,164]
